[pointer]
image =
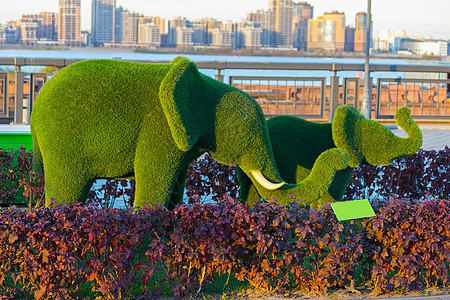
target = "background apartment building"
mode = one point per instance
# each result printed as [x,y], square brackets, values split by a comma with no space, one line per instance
[282,22]
[103,22]
[265,21]
[327,32]
[47,29]
[69,22]
[180,32]
[249,35]
[301,13]
[221,38]
[27,31]
[2,35]
[360,32]
[130,27]
[149,33]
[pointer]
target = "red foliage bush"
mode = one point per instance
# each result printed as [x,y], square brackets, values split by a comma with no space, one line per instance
[18,183]
[424,174]
[52,251]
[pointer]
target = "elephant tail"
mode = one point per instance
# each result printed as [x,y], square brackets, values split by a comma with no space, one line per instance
[38,165]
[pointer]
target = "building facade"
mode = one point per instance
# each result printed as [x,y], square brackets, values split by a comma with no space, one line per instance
[149,34]
[27,31]
[130,27]
[2,35]
[249,35]
[221,38]
[360,32]
[327,32]
[69,22]
[266,21]
[47,25]
[178,29]
[103,22]
[302,12]
[349,39]
[282,22]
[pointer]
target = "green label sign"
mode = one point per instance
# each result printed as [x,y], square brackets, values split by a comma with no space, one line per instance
[349,210]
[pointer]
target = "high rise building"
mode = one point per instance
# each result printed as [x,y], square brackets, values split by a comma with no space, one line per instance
[200,35]
[2,35]
[360,32]
[202,30]
[130,21]
[232,27]
[221,37]
[149,34]
[349,39]
[264,20]
[118,24]
[282,22]
[327,32]
[28,31]
[249,35]
[47,25]
[155,20]
[103,21]
[69,22]
[302,12]
[179,30]
[35,28]
[11,33]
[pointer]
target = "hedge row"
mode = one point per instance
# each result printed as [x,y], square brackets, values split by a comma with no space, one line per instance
[419,176]
[52,252]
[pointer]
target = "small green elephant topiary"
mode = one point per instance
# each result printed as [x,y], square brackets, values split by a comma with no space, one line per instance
[115,119]
[298,144]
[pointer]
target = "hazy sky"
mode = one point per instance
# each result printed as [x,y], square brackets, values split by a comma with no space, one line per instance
[417,17]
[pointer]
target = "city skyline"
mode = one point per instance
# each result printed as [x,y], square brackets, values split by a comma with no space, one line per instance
[413,16]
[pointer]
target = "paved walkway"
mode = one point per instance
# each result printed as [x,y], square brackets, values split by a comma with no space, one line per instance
[434,137]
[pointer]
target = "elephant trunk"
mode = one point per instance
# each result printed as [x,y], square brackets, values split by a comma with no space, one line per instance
[313,187]
[413,143]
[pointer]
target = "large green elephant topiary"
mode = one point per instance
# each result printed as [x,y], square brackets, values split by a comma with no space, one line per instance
[298,143]
[114,119]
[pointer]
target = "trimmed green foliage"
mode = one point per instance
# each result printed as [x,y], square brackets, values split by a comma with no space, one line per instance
[114,119]
[300,148]
[370,142]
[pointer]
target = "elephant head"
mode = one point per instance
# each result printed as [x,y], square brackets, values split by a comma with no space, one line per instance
[369,142]
[230,125]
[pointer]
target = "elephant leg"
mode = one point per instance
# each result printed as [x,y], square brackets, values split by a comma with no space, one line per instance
[155,181]
[178,190]
[158,166]
[66,183]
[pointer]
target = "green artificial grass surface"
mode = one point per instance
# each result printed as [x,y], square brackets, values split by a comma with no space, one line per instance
[114,119]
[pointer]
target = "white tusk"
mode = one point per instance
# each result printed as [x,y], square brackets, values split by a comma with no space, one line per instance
[264,182]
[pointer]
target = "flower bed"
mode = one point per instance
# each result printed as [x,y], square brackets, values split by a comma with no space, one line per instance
[52,252]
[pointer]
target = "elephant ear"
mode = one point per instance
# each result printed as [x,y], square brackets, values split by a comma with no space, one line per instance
[176,94]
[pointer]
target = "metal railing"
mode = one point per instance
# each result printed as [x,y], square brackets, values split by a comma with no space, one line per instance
[299,96]
[427,98]
[308,97]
